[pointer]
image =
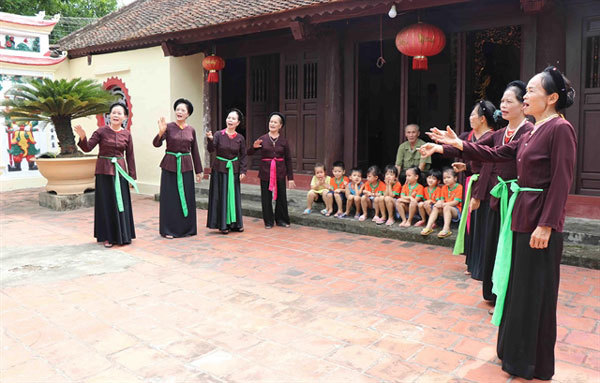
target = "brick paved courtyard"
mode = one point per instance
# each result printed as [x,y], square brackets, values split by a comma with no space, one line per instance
[313,306]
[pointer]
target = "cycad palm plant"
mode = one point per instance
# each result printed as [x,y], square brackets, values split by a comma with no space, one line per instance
[58,101]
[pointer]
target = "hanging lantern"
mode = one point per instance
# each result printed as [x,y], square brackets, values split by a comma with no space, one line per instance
[213,64]
[420,40]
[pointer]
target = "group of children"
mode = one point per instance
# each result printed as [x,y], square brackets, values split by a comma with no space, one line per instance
[388,198]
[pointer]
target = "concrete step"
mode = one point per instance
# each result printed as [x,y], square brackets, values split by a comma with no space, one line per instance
[582,236]
[252,208]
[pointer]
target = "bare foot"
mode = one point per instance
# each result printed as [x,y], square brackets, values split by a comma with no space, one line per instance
[404,224]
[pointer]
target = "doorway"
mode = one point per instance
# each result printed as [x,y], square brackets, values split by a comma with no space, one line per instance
[233,90]
[378,105]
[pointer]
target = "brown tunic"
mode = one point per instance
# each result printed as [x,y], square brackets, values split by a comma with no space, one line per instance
[506,170]
[179,141]
[224,146]
[281,149]
[545,159]
[112,144]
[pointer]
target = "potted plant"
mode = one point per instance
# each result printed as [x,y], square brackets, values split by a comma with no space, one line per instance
[60,101]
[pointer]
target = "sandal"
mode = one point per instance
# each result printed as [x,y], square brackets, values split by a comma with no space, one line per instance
[420,223]
[343,215]
[324,212]
[306,211]
[108,245]
[425,232]
[362,217]
[357,216]
[380,221]
[443,234]
[390,222]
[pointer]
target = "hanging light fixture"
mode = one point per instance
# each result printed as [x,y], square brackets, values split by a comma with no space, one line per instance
[393,13]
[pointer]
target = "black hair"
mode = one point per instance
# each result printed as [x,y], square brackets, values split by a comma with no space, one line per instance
[416,170]
[188,104]
[519,88]
[121,104]
[449,170]
[356,170]
[319,165]
[486,109]
[435,173]
[239,114]
[391,168]
[281,116]
[553,81]
[374,169]
[339,164]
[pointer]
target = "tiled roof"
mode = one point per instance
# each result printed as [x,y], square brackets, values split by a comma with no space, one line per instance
[148,22]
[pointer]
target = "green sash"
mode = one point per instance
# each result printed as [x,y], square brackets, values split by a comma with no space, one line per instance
[180,182]
[501,273]
[231,217]
[119,170]
[459,245]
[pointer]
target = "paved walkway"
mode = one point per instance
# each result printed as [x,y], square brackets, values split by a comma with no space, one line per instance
[310,306]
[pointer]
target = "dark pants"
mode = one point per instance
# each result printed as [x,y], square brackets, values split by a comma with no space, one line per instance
[527,333]
[281,217]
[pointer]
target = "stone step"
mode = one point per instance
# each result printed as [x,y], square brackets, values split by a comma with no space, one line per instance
[412,234]
[579,231]
[582,236]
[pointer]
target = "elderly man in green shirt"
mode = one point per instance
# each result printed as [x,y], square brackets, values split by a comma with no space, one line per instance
[408,152]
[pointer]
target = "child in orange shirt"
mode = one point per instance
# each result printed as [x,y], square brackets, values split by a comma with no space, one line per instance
[449,205]
[372,191]
[338,185]
[393,188]
[353,193]
[431,194]
[412,193]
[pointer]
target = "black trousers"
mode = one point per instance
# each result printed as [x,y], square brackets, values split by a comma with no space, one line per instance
[217,202]
[491,246]
[171,220]
[110,224]
[527,333]
[281,216]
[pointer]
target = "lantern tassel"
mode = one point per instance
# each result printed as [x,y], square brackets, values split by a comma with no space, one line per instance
[213,76]
[419,63]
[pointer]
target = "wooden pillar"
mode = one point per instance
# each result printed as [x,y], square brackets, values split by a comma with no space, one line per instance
[350,77]
[551,38]
[403,120]
[334,91]
[210,120]
[461,65]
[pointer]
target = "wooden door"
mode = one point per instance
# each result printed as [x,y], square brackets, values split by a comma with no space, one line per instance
[262,97]
[301,99]
[588,170]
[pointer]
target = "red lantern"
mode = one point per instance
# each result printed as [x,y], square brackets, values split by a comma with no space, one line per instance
[420,40]
[213,64]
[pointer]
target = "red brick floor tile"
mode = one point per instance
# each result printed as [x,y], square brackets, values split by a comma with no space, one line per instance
[401,347]
[396,370]
[584,339]
[356,357]
[33,371]
[476,349]
[480,371]
[439,359]
[114,375]
[215,308]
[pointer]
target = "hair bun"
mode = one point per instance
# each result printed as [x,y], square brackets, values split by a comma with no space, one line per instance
[570,97]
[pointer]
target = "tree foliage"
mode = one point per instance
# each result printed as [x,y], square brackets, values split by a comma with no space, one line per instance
[70,8]
[58,101]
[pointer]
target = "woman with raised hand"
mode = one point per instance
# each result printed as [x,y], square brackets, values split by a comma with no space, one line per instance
[115,170]
[527,268]
[228,169]
[276,164]
[177,192]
